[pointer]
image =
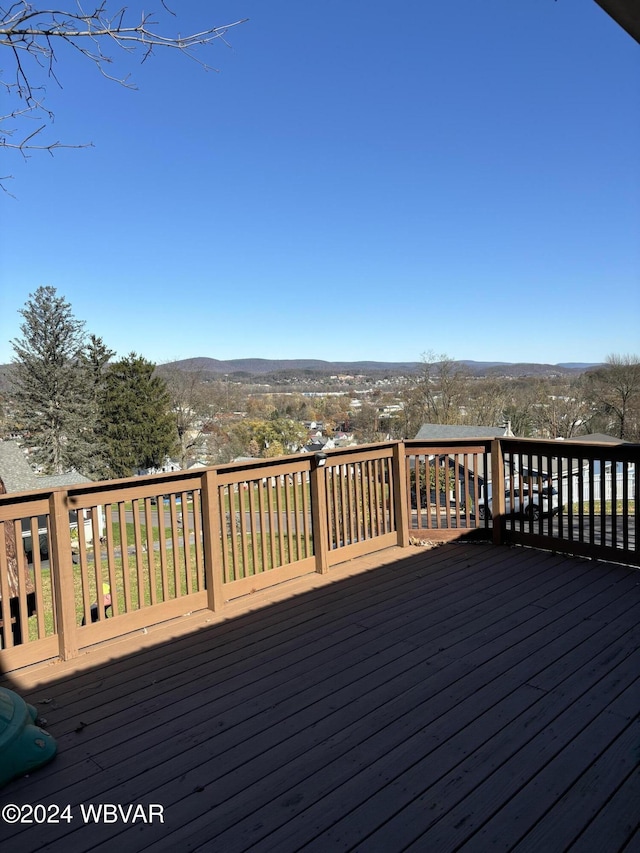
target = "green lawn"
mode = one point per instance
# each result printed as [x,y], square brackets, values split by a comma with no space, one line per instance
[143,576]
[145,572]
[608,507]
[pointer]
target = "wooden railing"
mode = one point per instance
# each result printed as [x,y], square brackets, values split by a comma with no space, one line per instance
[585,494]
[444,483]
[96,561]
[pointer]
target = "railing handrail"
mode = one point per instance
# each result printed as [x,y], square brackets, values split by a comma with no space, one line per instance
[250,523]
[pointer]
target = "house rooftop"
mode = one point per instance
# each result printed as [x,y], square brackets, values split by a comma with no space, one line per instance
[18,475]
[599,438]
[457,431]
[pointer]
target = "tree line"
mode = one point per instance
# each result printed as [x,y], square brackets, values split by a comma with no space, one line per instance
[603,400]
[77,408]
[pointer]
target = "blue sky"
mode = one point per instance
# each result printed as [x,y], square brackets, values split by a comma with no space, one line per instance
[361,180]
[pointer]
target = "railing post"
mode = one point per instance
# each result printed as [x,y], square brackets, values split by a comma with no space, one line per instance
[61,567]
[212,533]
[399,462]
[319,509]
[497,491]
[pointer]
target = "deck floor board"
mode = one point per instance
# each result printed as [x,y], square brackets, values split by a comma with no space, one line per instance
[461,697]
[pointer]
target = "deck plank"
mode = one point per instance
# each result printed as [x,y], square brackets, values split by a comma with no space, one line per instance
[618,821]
[328,806]
[462,695]
[564,818]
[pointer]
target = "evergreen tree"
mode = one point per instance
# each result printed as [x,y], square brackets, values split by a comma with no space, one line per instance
[94,360]
[138,427]
[49,385]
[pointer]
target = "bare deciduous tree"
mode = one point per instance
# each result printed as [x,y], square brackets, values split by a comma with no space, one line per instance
[438,392]
[189,405]
[487,402]
[615,392]
[32,37]
[561,415]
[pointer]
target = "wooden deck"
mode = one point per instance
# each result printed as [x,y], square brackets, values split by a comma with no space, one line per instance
[465,697]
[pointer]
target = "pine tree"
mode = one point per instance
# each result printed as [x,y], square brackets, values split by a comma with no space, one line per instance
[94,360]
[49,385]
[139,428]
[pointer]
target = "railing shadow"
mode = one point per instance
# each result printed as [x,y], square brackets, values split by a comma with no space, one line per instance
[127,710]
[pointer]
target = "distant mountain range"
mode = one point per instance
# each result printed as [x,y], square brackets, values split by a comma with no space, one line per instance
[287,369]
[264,366]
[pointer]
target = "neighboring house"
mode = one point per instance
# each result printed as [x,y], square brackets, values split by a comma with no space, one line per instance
[321,443]
[318,443]
[18,476]
[167,467]
[343,439]
[465,476]
[581,477]
[600,438]
[442,431]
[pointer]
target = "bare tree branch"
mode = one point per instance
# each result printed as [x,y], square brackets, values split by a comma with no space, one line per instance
[32,37]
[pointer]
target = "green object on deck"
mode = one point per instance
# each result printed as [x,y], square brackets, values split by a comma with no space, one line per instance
[23,745]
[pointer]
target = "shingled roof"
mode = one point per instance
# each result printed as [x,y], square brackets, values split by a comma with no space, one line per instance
[18,475]
[439,431]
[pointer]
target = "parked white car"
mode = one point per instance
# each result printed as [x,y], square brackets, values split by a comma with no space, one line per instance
[518,501]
